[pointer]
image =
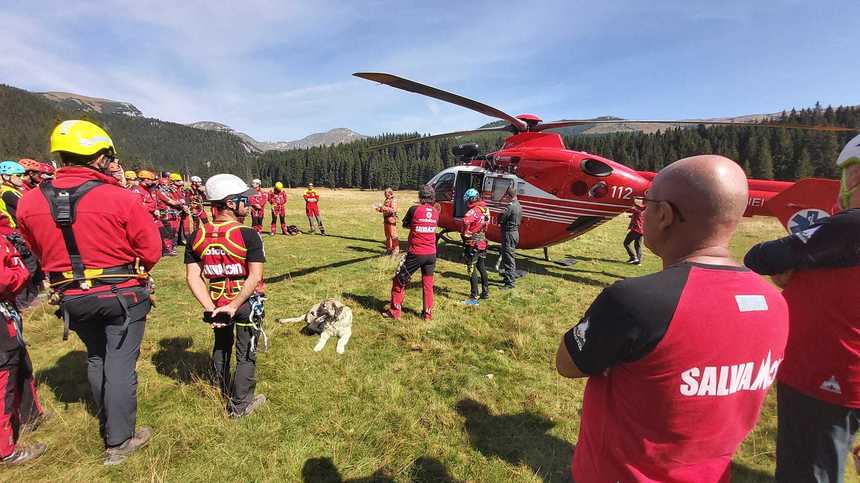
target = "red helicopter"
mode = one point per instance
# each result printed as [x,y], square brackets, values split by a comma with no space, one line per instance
[566,193]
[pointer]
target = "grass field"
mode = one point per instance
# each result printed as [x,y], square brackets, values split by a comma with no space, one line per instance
[470,396]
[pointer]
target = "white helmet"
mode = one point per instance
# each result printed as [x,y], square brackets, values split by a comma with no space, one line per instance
[196,179]
[222,186]
[255,182]
[851,152]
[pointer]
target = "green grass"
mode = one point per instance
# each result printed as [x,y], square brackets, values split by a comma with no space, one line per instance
[470,396]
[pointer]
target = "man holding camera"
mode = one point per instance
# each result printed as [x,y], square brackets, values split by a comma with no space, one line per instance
[230,256]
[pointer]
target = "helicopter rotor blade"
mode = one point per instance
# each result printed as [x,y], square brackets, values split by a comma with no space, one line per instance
[440,136]
[583,122]
[418,88]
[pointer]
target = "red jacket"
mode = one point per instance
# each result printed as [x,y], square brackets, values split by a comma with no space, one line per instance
[111,227]
[475,224]
[258,202]
[13,272]
[278,199]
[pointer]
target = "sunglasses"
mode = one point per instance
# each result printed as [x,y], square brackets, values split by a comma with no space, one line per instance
[675,210]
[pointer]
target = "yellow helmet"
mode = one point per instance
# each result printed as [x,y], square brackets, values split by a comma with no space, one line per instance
[175,177]
[146,174]
[80,137]
[130,175]
[279,185]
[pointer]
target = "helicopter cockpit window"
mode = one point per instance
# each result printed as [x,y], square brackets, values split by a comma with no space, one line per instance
[596,168]
[444,188]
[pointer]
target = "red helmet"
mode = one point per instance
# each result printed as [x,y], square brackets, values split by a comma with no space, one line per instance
[30,164]
[46,168]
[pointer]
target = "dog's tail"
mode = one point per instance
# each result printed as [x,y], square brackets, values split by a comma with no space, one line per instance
[291,320]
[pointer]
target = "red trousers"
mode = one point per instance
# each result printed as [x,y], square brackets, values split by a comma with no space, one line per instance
[20,403]
[410,264]
[392,243]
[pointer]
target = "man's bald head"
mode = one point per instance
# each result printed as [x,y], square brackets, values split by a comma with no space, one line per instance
[710,192]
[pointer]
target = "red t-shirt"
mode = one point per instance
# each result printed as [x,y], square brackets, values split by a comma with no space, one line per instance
[421,221]
[111,227]
[680,362]
[636,221]
[822,359]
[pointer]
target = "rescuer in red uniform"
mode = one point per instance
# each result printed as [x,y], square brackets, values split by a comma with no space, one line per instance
[278,200]
[195,196]
[312,209]
[32,173]
[229,256]
[389,222]
[421,220]
[15,367]
[818,389]
[475,223]
[634,235]
[146,188]
[678,362]
[257,202]
[169,207]
[12,187]
[96,243]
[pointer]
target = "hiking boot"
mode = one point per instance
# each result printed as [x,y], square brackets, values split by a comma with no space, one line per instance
[388,315]
[36,422]
[258,401]
[635,261]
[24,454]
[485,295]
[117,454]
[426,316]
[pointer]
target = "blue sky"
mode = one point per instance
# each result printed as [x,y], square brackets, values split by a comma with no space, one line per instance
[280,70]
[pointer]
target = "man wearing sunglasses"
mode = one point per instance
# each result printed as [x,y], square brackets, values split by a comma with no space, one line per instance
[224,269]
[678,362]
[818,392]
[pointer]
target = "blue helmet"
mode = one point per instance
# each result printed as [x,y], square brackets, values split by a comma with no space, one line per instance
[471,194]
[11,167]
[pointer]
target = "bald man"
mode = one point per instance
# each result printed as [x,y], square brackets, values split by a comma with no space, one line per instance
[678,362]
[818,391]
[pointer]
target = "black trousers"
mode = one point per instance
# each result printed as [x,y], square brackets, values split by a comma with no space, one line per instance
[112,354]
[476,265]
[239,390]
[510,240]
[636,238]
[813,437]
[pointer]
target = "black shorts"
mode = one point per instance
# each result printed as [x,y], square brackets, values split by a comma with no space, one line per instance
[411,263]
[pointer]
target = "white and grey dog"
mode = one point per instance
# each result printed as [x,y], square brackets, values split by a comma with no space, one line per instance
[327,318]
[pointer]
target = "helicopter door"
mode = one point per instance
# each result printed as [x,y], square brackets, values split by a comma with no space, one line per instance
[465,180]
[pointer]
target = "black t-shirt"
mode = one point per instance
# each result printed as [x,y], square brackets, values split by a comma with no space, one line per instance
[629,318]
[407,219]
[251,239]
[833,242]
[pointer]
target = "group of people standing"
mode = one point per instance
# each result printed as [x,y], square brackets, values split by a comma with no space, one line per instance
[698,344]
[679,362]
[422,221]
[277,197]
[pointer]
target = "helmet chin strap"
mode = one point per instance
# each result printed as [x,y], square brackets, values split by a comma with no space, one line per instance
[846,191]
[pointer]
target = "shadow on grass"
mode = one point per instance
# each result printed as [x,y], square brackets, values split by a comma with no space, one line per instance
[519,439]
[174,360]
[309,270]
[742,474]
[68,380]
[423,470]
[352,238]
